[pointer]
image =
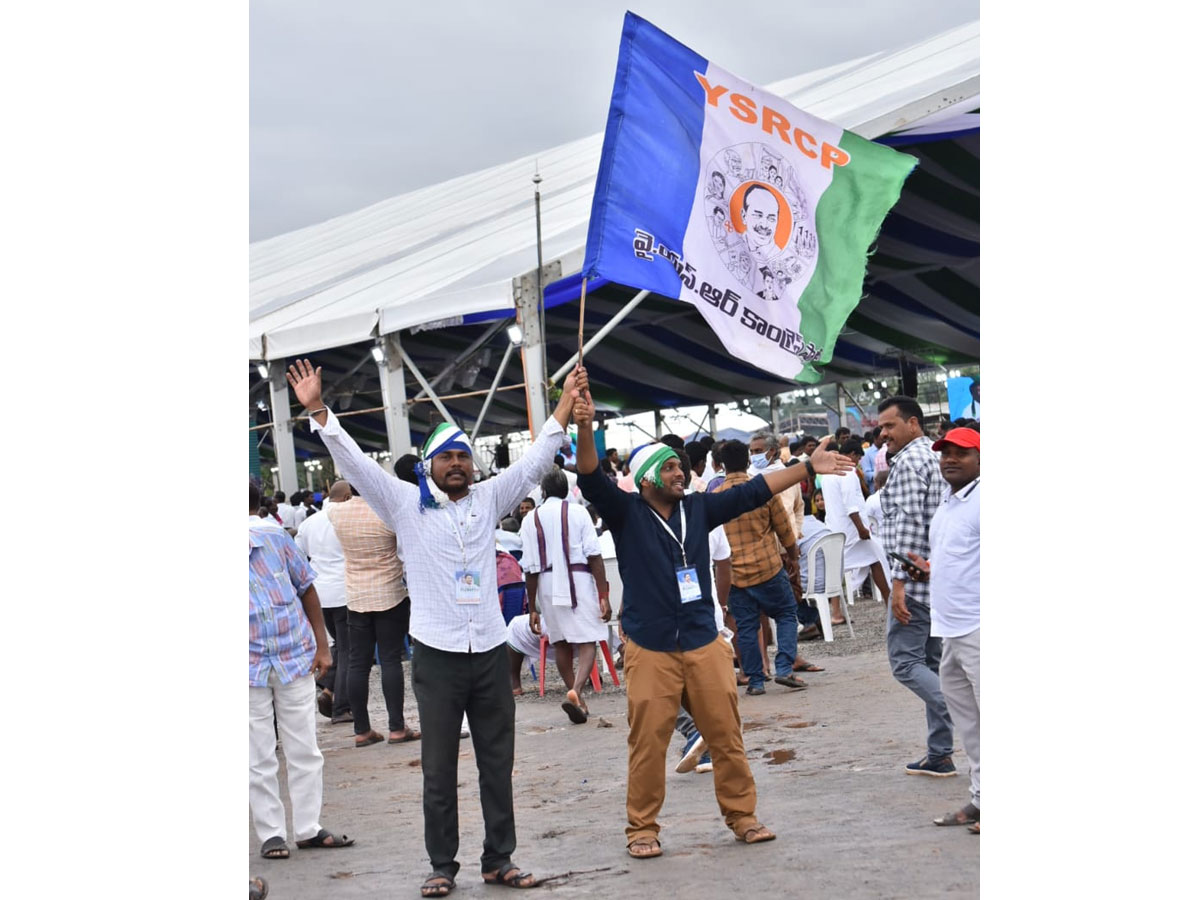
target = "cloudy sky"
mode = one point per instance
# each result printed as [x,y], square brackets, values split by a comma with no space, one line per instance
[354,102]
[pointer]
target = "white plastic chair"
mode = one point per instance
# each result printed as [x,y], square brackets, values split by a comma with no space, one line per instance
[830,546]
[615,594]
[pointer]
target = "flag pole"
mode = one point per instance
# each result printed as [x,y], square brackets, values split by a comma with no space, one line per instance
[582,299]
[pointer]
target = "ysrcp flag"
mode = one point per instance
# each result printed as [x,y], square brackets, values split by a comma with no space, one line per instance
[717,193]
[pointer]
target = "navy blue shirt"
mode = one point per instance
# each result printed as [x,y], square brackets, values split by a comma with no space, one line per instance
[652,613]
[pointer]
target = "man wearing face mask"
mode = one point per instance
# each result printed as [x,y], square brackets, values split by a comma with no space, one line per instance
[764,457]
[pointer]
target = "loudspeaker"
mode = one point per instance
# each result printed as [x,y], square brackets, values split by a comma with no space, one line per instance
[502,460]
[908,378]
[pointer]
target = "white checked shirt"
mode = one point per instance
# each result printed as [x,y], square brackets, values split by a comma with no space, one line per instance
[431,538]
[319,542]
[911,496]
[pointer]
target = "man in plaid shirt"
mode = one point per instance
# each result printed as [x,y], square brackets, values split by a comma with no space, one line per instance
[760,583]
[913,493]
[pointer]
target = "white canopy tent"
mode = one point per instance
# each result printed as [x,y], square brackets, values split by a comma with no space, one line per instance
[453,249]
[467,247]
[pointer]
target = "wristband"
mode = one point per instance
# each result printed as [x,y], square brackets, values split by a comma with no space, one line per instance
[313,412]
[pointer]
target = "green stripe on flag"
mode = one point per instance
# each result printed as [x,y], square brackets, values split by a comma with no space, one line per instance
[848,217]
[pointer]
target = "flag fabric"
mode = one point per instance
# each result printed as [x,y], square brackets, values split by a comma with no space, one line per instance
[722,195]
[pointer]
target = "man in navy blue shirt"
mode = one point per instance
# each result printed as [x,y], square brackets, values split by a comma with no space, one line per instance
[673,654]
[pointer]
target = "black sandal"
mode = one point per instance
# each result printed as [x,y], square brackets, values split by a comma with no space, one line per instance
[515,881]
[275,848]
[317,841]
[437,885]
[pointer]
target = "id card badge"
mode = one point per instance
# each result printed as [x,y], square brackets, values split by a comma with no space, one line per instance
[468,586]
[689,584]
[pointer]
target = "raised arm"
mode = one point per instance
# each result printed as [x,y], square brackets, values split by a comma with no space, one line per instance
[386,494]
[822,462]
[610,501]
[516,481]
[586,458]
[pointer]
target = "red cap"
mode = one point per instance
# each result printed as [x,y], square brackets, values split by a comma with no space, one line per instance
[960,437]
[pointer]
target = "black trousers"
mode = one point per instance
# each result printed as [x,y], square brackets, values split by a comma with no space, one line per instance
[387,630]
[446,686]
[337,679]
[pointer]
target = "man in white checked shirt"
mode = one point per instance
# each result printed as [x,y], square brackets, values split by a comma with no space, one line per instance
[912,495]
[459,659]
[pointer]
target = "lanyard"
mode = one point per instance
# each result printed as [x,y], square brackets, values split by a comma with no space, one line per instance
[454,525]
[682,529]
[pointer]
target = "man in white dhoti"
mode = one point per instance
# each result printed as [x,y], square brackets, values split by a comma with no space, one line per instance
[566,585]
[845,511]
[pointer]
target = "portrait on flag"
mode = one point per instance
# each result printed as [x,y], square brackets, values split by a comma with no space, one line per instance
[719,194]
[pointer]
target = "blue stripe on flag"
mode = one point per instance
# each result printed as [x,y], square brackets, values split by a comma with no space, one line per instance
[650,162]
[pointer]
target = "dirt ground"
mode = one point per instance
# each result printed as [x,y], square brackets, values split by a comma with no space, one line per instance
[828,761]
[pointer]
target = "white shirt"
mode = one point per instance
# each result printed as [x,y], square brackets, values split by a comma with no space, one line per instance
[718,549]
[268,522]
[608,546]
[508,540]
[288,515]
[554,587]
[954,564]
[319,542]
[843,496]
[431,539]
[872,514]
[573,493]
[581,535]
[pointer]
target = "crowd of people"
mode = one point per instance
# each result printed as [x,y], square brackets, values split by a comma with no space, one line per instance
[470,579]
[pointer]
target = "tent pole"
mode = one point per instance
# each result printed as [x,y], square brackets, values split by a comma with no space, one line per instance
[774,414]
[395,401]
[526,300]
[541,272]
[599,335]
[425,384]
[281,432]
[712,421]
[487,401]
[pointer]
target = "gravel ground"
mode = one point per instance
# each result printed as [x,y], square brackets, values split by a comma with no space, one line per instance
[828,762]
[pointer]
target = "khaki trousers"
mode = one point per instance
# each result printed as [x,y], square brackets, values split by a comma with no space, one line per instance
[703,682]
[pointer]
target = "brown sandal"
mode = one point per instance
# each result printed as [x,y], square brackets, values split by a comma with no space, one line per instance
[371,737]
[653,848]
[756,835]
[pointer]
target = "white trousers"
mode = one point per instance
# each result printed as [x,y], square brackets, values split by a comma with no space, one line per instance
[959,675]
[293,706]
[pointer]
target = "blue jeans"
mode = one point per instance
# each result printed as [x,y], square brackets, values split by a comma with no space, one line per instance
[915,657]
[775,598]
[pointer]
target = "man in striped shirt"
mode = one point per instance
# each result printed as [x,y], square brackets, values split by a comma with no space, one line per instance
[287,645]
[459,656]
